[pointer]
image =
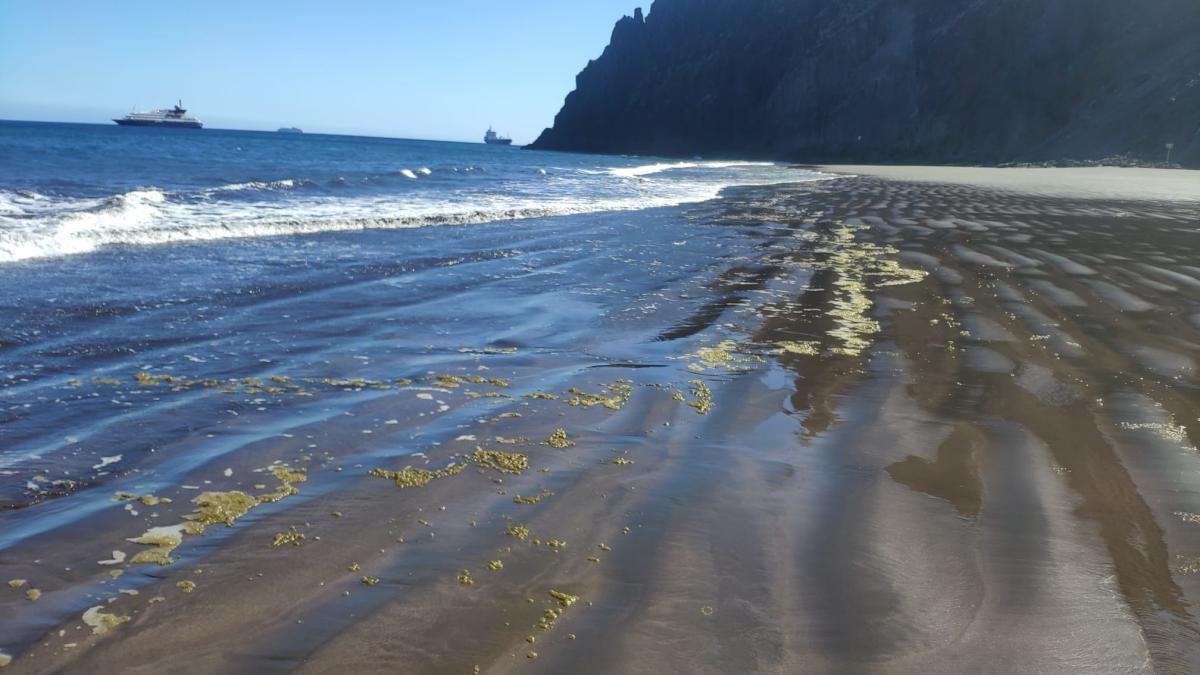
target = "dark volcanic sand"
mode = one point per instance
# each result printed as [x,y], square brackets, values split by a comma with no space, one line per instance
[991,467]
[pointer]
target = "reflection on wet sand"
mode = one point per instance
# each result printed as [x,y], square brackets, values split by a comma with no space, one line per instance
[1076,341]
[953,476]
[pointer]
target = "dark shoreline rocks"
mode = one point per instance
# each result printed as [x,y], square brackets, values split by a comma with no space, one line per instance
[913,81]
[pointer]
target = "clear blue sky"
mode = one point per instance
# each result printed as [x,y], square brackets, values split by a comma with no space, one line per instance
[442,69]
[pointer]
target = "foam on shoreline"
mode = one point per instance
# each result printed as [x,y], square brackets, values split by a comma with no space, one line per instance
[49,227]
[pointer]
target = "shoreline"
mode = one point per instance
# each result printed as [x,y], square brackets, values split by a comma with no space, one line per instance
[899,422]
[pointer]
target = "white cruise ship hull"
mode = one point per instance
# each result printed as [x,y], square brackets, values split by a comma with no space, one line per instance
[180,124]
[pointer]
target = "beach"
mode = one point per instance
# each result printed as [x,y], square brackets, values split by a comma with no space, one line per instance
[891,420]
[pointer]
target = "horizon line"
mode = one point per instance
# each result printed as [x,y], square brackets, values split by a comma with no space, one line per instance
[264,131]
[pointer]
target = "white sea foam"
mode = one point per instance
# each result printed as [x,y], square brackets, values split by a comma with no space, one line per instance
[78,226]
[18,202]
[407,173]
[424,171]
[8,205]
[285,184]
[150,216]
[649,169]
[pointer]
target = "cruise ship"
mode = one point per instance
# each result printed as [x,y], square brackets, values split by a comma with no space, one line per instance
[492,138]
[173,117]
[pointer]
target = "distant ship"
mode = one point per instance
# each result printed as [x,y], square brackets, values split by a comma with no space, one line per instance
[492,138]
[175,118]
[291,130]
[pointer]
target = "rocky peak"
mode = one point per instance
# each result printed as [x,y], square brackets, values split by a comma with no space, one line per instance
[940,81]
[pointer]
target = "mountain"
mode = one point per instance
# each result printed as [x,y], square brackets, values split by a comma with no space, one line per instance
[934,81]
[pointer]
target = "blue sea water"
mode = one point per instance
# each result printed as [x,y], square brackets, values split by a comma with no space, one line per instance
[183,308]
[72,188]
[226,255]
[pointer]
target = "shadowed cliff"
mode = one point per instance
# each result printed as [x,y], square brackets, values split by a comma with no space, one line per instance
[940,81]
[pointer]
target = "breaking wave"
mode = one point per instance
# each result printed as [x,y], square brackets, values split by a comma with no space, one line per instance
[285,184]
[649,169]
[38,226]
[19,202]
[130,220]
[74,230]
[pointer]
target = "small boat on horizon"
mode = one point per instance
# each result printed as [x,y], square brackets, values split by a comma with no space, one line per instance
[175,117]
[492,138]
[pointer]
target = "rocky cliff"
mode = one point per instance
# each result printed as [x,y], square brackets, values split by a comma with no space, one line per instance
[935,81]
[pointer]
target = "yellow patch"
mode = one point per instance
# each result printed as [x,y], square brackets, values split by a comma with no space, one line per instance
[219,508]
[613,397]
[703,398]
[564,599]
[413,477]
[164,540]
[293,537]
[102,622]
[559,439]
[504,462]
[723,355]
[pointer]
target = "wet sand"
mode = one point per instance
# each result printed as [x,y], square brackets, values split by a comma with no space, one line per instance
[870,424]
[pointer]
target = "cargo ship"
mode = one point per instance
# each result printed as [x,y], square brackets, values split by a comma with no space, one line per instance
[492,138]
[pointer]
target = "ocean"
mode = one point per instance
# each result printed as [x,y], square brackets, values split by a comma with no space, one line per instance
[67,189]
[226,256]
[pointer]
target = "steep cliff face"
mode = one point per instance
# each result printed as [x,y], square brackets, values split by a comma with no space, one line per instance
[978,81]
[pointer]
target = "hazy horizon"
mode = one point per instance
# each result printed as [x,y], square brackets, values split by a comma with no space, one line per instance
[373,69]
[255,129]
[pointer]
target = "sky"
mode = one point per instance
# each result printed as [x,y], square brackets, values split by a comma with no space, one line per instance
[441,69]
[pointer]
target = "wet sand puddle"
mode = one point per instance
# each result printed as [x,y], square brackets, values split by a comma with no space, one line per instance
[857,425]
